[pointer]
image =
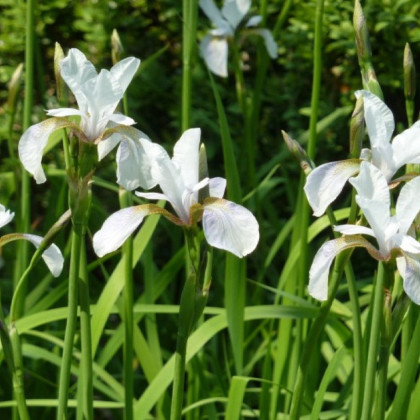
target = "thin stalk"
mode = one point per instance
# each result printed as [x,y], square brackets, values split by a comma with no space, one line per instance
[86,341]
[189,12]
[128,374]
[18,387]
[63,388]
[373,344]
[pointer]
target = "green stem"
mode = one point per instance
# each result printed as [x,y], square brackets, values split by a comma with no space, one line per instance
[378,300]
[189,11]
[86,341]
[18,387]
[77,238]
[127,252]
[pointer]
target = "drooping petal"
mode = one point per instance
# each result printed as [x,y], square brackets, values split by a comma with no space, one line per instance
[52,255]
[325,182]
[406,146]
[408,204]
[407,244]
[235,10]
[33,142]
[117,228]
[107,145]
[124,71]
[269,42]
[215,54]
[320,268]
[63,112]
[217,187]
[230,226]
[411,277]
[354,230]
[254,21]
[187,156]
[6,216]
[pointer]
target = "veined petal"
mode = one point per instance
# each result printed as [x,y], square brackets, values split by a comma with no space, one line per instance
[378,117]
[235,10]
[407,244]
[124,71]
[269,42]
[121,119]
[215,54]
[33,142]
[230,226]
[408,204]
[325,182]
[187,156]
[63,112]
[406,146]
[212,12]
[411,276]
[320,268]
[217,187]
[107,145]
[6,216]
[354,230]
[133,165]
[117,228]
[52,255]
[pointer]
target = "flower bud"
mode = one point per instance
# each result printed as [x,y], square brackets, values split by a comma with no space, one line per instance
[298,153]
[409,73]
[14,88]
[116,47]
[203,172]
[357,128]
[58,56]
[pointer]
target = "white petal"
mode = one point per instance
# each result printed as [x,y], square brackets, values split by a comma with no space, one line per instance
[406,146]
[230,226]
[378,117]
[407,244]
[52,255]
[411,276]
[117,228]
[408,204]
[254,21]
[217,187]
[133,165]
[63,112]
[105,146]
[212,12]
[33,142]
[121,119]
[187,156]
[6,216]
[124,71]
[215,53]
[152,196]
[269,42]
[354,230]
[235,10]
[325,183]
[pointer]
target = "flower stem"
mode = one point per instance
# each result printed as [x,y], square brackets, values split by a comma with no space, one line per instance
[378,300]
[127,252]
[77,238]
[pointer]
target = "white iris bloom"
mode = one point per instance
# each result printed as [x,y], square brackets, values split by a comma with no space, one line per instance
[226,225]
[97,97]
[214,47]
[325,182]
[52,255]
[390,231]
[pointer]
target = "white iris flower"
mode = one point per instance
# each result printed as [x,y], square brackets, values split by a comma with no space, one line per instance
[52,255]
[390,231]
[214,47]
[97,96]
[226,225]
[325,182]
